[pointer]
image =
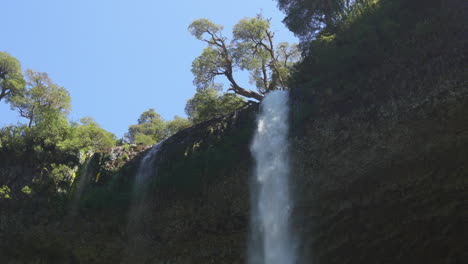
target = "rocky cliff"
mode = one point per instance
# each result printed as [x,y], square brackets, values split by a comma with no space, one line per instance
[380,175]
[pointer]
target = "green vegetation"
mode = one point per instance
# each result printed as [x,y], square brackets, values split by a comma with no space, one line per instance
[368,40]
[49,145]
[177,124]
[5,192]
[11,78]
[43,101]
[151,128]
[26,190]
[88,136]
[252,49]
[208,103]
[306,18]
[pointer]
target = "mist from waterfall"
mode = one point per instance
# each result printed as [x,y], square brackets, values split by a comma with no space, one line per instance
[271,241]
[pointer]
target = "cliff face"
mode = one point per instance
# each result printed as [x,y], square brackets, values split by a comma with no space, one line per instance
[195,210]
[380,175]
[388,190]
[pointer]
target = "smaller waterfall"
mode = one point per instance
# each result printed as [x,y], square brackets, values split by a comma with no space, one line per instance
[84,177]
[146,169]
[139,206]
[271,240]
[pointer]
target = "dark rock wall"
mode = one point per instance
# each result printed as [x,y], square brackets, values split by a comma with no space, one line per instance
[381,176]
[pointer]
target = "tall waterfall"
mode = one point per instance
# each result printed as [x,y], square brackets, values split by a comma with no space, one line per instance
[271,241]
[137,240]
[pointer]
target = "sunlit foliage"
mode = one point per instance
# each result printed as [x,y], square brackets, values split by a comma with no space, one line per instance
[210,103]
[252,49]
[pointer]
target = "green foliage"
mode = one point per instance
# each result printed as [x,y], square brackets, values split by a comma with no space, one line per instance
[62,175]
[11,79]
[43,101]
[306,18]
[26,190]
[12,138]
[49,143]
[252,49]
[201,26]
[87,136]
[5,192]
[177,124]
[151,128]
[208,103]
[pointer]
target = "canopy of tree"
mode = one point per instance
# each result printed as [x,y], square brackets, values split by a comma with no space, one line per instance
[252,49]
[210,103]
[152,128]
[43,100]
[307,17]
[48,140]
[11,78]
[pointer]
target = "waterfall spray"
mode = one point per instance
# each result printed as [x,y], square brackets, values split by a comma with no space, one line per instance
[271,241]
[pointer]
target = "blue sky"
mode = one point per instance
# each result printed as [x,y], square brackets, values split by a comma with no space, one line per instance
[118,58]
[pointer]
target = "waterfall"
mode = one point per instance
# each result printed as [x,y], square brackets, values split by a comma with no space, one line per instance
[138,206]
[271,241]
[84,177]
[136,239]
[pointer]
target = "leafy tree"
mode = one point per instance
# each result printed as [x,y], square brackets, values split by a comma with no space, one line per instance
[251,49]
[43,100]
[177,124]
[11,78]
[149,130]
[87,136]
[209,103]
[308,17]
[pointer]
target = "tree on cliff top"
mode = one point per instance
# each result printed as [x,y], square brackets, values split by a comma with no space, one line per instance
[306,18]
[152,128]
[43,101]
[209,103]
[11,78]
[251,49]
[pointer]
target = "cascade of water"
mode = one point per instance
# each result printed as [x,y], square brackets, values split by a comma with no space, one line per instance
[137,242]
[271,239]
[145,170]
[83,179]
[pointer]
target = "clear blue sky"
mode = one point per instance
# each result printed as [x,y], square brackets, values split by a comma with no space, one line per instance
[118,58]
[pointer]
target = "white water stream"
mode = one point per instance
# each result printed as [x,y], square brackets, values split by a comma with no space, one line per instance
[137,221]
[271,241]
[146,169]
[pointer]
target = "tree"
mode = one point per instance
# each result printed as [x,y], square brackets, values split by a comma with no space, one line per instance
[177,124]
[251,49]
[87,135]
[307,17]
[208,103]
[43,100]
[149,130]
[11,79]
